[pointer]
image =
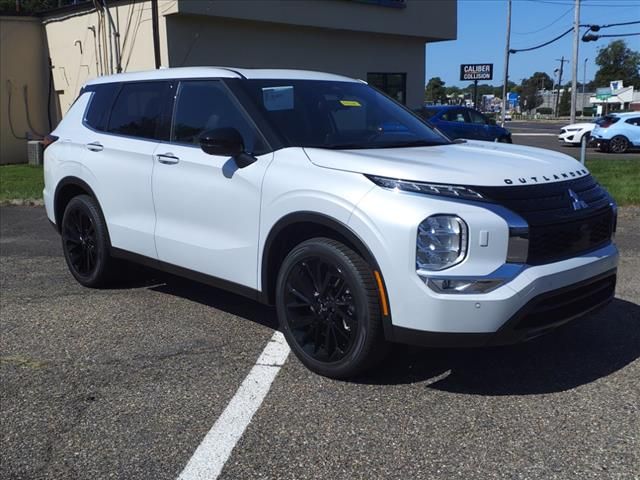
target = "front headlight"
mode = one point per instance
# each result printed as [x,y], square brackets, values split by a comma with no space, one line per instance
[441,242]
[456,191]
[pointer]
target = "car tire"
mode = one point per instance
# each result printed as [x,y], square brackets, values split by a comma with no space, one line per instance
[618,144]
[329,310]
[505,139]
[85,242]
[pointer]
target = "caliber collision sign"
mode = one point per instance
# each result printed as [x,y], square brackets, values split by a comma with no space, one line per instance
[476,71]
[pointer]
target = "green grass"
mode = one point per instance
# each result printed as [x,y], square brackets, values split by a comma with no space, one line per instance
[620,177]
[20,182]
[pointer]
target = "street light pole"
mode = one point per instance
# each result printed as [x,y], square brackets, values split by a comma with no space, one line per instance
[506,64]
[574,65]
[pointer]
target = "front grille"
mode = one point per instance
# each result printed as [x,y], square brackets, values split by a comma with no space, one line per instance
[549,243]
[556,230]
[552,308]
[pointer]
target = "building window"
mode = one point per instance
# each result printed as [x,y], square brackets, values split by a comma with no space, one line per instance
[393,84]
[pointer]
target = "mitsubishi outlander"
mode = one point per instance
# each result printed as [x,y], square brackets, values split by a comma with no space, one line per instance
[319,194]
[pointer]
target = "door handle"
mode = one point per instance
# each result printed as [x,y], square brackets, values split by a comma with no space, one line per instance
[168,158]
[95,146]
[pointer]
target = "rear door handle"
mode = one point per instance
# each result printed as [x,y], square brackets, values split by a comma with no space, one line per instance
[95,146]
[168,158]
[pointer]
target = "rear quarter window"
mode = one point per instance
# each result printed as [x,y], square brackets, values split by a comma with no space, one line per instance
[100,105]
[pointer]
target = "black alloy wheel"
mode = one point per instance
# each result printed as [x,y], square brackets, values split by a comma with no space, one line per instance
[328,307]
[85,242]
[618,144]
[79,237]
[321,309]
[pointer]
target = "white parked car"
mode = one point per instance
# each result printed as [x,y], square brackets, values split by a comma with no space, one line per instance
[574,133]
[318,194]
[618,132]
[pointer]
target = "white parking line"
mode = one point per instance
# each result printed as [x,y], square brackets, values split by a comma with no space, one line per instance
[216,447]
[534,134]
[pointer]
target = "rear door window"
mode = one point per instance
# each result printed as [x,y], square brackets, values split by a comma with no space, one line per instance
[456,115]
[138,111]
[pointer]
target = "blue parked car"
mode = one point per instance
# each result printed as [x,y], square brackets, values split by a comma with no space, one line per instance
[463,122]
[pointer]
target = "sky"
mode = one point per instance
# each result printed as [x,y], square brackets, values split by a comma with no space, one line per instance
[482,36]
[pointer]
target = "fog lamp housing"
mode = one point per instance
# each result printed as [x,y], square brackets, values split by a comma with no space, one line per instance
[464,286]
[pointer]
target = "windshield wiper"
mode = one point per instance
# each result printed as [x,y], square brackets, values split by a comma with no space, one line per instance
[341,146]
[415,143]
[361,146]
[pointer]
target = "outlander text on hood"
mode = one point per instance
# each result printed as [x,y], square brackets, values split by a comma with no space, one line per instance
[323,196]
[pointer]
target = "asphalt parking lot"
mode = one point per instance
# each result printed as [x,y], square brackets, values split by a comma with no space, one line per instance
[544,134]
[125,383]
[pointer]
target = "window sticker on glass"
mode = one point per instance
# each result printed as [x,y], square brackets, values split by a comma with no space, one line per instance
[277,98]
[350,103]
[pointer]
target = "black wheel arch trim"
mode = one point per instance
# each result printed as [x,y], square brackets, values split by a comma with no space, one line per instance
[331,223]
[65,182]
[77,182]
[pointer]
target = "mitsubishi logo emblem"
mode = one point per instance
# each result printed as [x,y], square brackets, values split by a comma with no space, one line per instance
[576,202]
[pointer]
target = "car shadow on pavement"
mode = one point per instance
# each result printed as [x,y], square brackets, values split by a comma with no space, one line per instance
[575,354]
[216,298]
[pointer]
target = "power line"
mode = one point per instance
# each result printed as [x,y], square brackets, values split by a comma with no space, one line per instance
[635,22]
[560,2]
[618,35]
[590,37]
[544,28]
[585,37]
[542,44]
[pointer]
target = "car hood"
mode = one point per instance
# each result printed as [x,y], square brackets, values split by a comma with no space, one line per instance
[469,163]
[580,125]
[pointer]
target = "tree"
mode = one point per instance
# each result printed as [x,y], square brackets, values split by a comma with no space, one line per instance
[29,7]
[435,91]
[618,62]
[564,108]
[530,87]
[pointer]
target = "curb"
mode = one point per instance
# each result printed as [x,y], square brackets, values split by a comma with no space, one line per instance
[22,202]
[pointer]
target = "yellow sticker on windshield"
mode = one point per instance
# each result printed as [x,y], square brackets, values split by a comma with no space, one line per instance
[350,103]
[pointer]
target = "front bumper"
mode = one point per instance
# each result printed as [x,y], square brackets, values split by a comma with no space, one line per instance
[570,137]
[541,314]
[387,223]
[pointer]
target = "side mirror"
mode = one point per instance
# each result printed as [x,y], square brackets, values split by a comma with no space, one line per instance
[226,142]
[491,121]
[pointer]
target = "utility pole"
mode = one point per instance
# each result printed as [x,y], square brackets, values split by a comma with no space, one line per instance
[574,64]
[506,64]
[562,61]
[155,32]
[584,81]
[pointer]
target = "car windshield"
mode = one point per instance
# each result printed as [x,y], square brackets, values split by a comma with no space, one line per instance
[338,115]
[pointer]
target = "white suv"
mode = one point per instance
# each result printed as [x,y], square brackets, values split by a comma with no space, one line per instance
[321,195]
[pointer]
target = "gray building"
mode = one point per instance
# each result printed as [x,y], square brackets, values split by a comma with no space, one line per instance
[380,41]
